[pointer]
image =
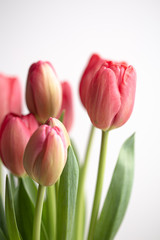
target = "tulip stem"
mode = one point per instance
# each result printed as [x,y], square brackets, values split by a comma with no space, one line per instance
[99,184]
[38,213]
[79,221]
[51,207]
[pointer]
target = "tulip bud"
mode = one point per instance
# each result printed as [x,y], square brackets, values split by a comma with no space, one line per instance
[93,66]
[111,95]
[67,105]
[43,91]
[14,135]
[46,152]
[10,96]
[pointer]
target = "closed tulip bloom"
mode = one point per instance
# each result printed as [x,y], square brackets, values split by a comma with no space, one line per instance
[46,153]
[14,135]
[43,91]
[67,105]
[111,95]
[93,66]
[10,96]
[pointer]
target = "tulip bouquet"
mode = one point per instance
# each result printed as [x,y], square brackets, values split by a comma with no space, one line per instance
[44,191]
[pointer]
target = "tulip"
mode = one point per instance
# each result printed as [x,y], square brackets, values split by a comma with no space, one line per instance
[67,105]
[46,152]
[111,95]
[10,96]
[43,91]
[14,135]
[93,66]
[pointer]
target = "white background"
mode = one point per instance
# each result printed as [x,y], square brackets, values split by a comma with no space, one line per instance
[66,33]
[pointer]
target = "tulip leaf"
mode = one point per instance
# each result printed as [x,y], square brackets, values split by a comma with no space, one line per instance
[61,118]
[10,214]
[2,219]
[118,195]
[2,236]
[49,212]
[24,211]
[30,188]
[75,151]
[67,195]
[12,182]
[24,206]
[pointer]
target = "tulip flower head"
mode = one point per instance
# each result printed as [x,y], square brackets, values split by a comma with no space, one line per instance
[46,152]
[14,135]
[67,105]
[10,97]
[43,91]
[110,95]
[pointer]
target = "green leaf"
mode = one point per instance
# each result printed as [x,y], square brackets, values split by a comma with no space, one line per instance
[12,182]
[2,236]
[24,211]
[10,214]
[24,204]
[67,197]
[2,218]
[61,118]
[75,151]
[118,195]
[50,212]
[30,188]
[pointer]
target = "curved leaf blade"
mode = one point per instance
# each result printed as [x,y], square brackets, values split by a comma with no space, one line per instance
[24,206]
[24,211]
[2,236]
[3,226]
[67,195]
[10,214]
[30,188]
[118,195]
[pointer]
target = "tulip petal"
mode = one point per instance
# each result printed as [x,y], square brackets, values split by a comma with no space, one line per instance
[14,138]
[50,161]
[33,148]
[104,98]
[94,64]
[10,97]
[46,153]
[67,105]
[43,92]
[127,90]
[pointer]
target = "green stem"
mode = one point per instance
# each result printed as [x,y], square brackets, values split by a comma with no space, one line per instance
[99,184]
[38,213]
[51,207]
[57,189]
[1,179]
[79,221]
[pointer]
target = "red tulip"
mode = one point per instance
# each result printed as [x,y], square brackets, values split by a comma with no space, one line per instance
[10,96]
[43,91]
[14,135]
[111,95]
[67,105]
[46,152]
[93,66]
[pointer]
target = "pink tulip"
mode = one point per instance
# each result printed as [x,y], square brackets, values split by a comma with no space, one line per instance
[43,91]
[111,95]
[14,135]
[10,96]
[67,105]
[94,64]
[46,152]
